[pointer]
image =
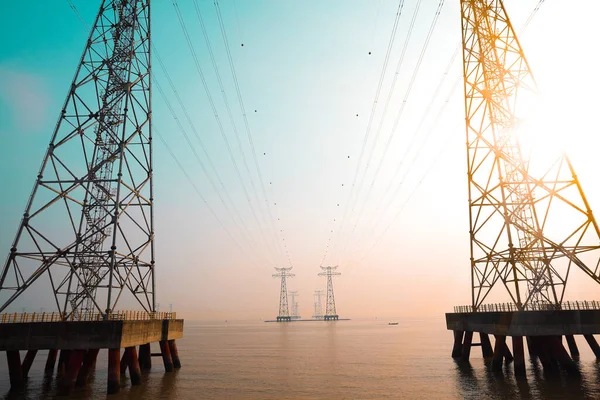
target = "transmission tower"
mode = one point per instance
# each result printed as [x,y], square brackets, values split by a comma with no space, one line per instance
[527,232]
[318,305]
[284,313]
[294,294]
[88,231]
[330,272]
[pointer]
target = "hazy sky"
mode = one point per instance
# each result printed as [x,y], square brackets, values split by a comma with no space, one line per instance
[308,74]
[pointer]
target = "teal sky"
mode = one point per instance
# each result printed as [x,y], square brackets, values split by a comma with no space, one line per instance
[308,74]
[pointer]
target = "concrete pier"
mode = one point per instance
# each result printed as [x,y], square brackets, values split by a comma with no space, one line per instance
[79,343]
[543,329]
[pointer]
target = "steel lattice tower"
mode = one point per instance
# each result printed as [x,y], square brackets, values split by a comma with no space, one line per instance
[294,294]
[330,272]
[87,231]
[527,232]
[284,312]
[318,305]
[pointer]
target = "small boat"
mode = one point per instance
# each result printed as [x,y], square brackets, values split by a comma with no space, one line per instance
[392,323]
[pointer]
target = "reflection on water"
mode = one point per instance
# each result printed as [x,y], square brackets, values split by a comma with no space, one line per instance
[363,359]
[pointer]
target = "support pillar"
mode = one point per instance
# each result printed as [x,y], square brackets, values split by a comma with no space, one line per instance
[466,347]
[114,374]
[560,354]
[15,372]
[135,374]
[542,349]
[166,355]
[519,352]
[89,363]
[508,357]
[72,366]
[531,348]
[174,354]
[29,357]
[62,361]
[125,360]
[593,345]
[499,352]
[458,339]
[51,360]
[572,346]
[486,346]
[145,358]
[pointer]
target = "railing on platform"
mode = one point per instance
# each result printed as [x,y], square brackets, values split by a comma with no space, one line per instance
[510,307]
[86,316]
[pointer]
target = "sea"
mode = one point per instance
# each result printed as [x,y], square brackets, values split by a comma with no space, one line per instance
[356,359]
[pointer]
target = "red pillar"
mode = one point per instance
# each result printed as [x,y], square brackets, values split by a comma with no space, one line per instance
[134,367]
[114,374]
[125,360]
[89,363]
[174,354]
[166,355]
[29,357]
[145,358]
[51,360]
[15,372]
[72,366]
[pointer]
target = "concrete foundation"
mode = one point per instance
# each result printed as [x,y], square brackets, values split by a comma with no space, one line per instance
[79,343]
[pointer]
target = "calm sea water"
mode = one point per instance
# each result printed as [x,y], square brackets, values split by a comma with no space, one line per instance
[356,359]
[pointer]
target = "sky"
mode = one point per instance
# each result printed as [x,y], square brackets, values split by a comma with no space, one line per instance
[308,76]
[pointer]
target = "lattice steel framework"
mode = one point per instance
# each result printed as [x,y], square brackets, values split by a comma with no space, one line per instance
[527,232]
[87,231]
[318,304]
[294,294]
[283,273]
[330,272]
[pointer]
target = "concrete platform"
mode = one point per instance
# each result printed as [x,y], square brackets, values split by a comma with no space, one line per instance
[83,335]
[527,323]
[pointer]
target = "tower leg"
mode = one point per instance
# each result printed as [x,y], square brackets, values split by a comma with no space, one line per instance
[72,366]
[114,373]
[519,365]
[466,347]
[51,360]
[572,346]
[458,338]
[593,344]
[499,352]
[89,363]
[15,372]
[29,357]
[134,367]
[174,354]
[166,355]
[486,346]
[145,358]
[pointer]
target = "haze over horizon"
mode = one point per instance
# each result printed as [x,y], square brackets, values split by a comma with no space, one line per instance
[308,75]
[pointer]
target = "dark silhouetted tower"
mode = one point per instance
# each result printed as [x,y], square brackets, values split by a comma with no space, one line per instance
[284,312]
[330,312]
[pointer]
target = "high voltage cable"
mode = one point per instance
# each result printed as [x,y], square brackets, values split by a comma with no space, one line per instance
[245,118]
[193,149]
[398,115]
[199,193]
[373,109]
[231,120]
[212,104]
[436,120]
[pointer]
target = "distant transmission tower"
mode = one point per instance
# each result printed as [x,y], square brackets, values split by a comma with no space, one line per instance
[284,313]
[87,233]
[527,232]
[294,294]
[330,272]
[318,305]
